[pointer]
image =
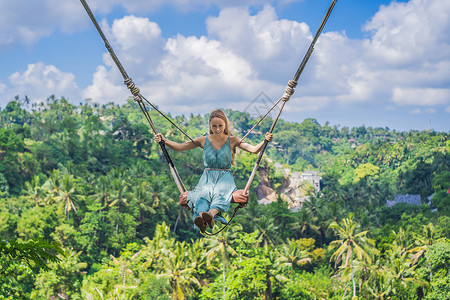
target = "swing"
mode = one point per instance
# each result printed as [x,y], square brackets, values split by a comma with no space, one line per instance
[138,98]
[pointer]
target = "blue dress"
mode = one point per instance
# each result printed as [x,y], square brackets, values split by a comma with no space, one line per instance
[216,185]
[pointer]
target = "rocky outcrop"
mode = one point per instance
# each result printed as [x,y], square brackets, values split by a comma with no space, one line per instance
[293,189]
[264,191]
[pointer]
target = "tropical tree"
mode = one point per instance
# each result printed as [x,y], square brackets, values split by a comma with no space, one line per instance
[178,271]
[119,195]
[67,194]
[423,243]
[51,187]
[116,279]
[62,280]
[379,283]
[153,251]
[34,189]
[268,231]
[438,256]
[350,244]
[291,254]
[141,196]
[220,246]
[400,269]
[305,224]
[102,193]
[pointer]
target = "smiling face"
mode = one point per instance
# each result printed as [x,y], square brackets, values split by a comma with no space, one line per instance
[217,126]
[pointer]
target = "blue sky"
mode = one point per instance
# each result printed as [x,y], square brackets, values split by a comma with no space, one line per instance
[377,63]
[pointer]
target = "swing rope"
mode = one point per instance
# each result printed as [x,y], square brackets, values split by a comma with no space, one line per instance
[138,98]
[288,92]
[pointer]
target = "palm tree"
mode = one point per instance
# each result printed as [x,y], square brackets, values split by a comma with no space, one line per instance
[423,242]
[161,192]
[349,244]
[379,284]
[139,170]
[250,215]
[401,268]
[291,255]
[219,245]
[119,194]
[123,265]
[272,270]
[313,204]
[304,224]
[61,278]
[102,193]
[34,189]
[68,194]
[196,254]
[268,231]
[51,187]
[178,271]
[141,194]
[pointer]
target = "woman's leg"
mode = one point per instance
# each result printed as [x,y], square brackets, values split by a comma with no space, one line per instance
[213,212]
[201,205]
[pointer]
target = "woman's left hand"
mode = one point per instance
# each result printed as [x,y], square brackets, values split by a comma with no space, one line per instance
[269,136]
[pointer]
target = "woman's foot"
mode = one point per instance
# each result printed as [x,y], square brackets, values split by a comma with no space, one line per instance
[208,218]
[200,223]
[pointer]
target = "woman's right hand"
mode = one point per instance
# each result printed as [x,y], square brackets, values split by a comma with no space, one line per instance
[158,137]
[183,198]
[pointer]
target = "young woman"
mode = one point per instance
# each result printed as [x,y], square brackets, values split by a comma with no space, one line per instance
[216,187]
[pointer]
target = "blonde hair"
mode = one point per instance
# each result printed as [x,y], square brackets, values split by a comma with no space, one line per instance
[218,113]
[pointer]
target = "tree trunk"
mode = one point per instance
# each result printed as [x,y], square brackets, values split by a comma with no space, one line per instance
[353,277]
[223,272]
[268,295]
[176,222]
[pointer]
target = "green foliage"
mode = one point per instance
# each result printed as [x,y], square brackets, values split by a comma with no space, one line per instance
[18,281]
[297,288]
[90,180]
[35,253]
[249,280]
[10,147]
[61,278]
[440,289]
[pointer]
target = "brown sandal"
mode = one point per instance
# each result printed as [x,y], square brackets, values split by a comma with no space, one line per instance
[200,223]
[208,219]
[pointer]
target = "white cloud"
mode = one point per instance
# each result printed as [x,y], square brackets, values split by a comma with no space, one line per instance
[138,43]
[245,54]
[422,97]
[40,81]
[103,90]
[241,56]
[306,104]
[26,22]
[198,71]
[271,45]
[405,61]
[404,32]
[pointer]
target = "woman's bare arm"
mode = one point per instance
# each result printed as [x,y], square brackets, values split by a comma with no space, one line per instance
[183,146]
[253,148]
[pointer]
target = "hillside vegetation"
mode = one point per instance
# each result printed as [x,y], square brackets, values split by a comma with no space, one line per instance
[88,183]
